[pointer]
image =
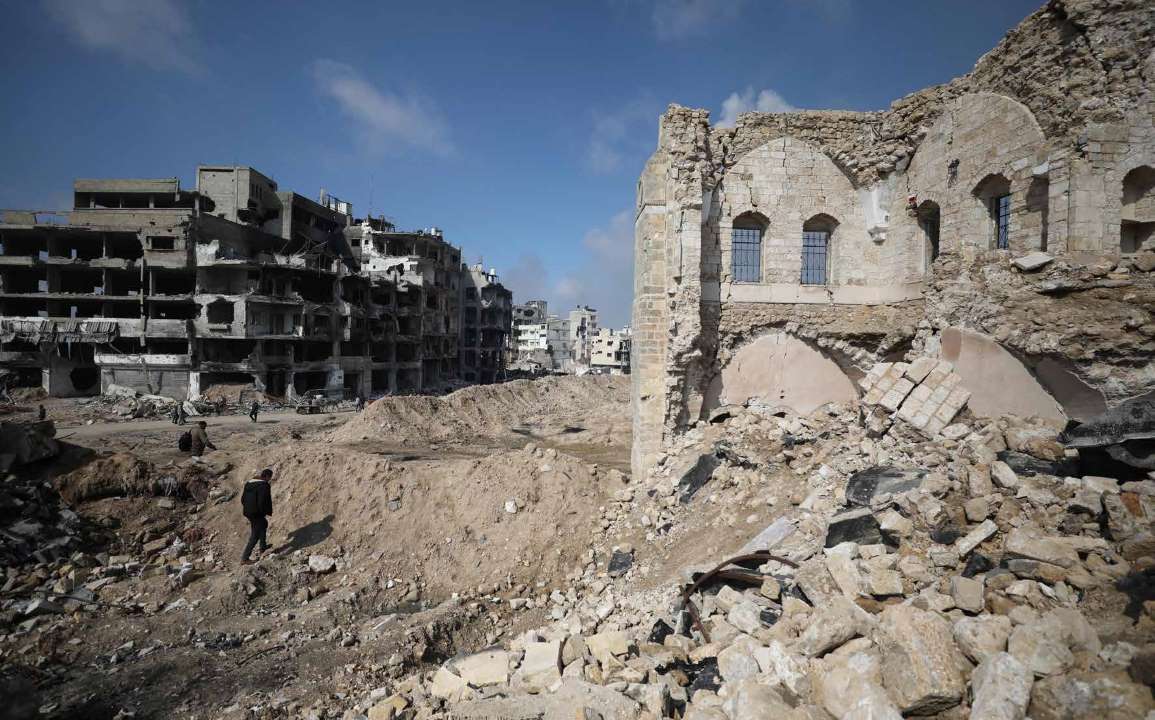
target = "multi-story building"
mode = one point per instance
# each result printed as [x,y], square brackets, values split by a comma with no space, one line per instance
[583,325]
[558,341]
[407,295]
[170,291]
[532,312]
[610,351]
[486,318]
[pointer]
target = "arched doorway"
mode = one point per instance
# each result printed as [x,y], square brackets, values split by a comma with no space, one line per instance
[1137,225]
[929,219]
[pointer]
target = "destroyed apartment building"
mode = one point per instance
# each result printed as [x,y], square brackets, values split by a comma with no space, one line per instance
[1002,223]
[168,291]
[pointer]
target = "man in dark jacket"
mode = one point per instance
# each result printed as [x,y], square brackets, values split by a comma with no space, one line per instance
[253,410]
[257,503]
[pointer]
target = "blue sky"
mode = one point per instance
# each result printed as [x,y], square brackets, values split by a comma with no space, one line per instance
[517,127]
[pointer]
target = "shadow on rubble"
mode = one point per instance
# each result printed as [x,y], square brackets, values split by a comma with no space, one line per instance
[1139,587]
[305,536]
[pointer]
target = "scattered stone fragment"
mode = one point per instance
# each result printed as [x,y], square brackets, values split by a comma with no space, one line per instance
[983,636]
[1022,542]
[920,660]
[1001,686]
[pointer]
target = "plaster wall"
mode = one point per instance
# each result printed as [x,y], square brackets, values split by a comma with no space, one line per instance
[781,371]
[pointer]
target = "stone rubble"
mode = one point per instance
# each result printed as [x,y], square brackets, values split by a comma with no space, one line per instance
[919,601]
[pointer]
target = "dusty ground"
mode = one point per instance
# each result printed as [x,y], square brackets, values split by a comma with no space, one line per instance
[433,511]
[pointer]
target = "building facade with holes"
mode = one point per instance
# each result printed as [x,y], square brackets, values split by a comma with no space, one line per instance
[238,286]
[833,232]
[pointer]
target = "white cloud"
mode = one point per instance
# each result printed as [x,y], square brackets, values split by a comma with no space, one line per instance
[621,136]
[677,19]
[157,33]
[602,277]
[386,120]
[766,101]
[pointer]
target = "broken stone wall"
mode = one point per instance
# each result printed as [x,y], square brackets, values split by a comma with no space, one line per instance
[1056,117]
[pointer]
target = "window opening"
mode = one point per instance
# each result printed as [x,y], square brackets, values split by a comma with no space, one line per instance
[1001,211]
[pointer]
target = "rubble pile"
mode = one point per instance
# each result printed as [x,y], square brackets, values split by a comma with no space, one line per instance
[494,409]
[978,573]
[34,526]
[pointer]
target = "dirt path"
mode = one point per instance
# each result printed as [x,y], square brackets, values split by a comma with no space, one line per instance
[270,420]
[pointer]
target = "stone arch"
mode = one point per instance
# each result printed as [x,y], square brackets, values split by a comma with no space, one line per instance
[1137,217]
[778,369]
[788,180]
[978,134]
[999,383]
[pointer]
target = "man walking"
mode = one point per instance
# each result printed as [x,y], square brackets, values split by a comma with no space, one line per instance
[181,414]
[253,410]
[257,504]
[200,439]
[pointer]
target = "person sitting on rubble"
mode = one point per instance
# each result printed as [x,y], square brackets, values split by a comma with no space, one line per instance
[200,439]
[257,504]
[253,410]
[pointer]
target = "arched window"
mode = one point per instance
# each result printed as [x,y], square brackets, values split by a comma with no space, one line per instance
[929,218]
[816,234]
[746,247]
[1138,218]
[994,192]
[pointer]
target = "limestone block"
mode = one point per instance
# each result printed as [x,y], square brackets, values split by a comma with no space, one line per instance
[1001,686]
[1023,542]
[540,667]
[921,664]
[1040,649]
[448,686]
[975,537]
[489,667]
[982,636]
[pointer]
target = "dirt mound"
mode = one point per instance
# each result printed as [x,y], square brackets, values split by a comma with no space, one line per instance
[121,474]
[453,523]
[491,410]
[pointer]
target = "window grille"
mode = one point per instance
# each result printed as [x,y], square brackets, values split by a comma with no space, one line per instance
[1001,210]
[814,244]
[746,249]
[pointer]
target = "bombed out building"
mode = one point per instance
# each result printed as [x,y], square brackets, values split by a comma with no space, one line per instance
[1001,222]
[169,291]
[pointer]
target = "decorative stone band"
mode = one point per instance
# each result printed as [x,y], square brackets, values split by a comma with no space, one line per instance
[822,294]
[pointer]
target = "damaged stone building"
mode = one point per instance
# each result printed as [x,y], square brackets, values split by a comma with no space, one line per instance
[1001,222]
[164,290]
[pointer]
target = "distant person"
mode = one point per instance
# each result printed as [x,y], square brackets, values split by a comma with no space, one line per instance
[175,414]
[43,413]
[360,403]
[257,504]
[181,414]
[253,410]
[200,439]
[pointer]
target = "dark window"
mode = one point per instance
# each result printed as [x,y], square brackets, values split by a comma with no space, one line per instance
[814,245]
[1001,212]
[929,220]
[746,248]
